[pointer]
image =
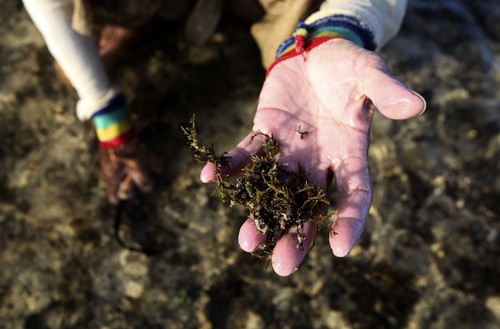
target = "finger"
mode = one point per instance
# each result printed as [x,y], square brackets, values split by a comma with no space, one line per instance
[208,173]
[138,174]
[390,95]
[250,238]
[112,197]
[288,253]
[239,157]
[111,182]
[111,173]
[355,197]
[125,188]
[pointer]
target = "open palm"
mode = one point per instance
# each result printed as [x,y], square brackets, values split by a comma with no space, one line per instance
[319,108]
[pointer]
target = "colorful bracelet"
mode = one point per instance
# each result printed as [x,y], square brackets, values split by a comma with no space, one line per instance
[114,124]
[308,36]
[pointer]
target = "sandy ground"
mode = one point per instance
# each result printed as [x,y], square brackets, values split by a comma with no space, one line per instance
[430,255]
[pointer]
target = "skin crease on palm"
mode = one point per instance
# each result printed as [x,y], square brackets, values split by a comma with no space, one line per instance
[330,92]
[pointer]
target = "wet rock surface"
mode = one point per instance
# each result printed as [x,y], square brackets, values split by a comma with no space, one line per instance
[429,257]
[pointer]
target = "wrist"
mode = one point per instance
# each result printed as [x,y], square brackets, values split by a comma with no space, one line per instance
[313,34]
[114,124]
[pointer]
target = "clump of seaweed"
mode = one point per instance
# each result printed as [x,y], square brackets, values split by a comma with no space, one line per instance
[278,199]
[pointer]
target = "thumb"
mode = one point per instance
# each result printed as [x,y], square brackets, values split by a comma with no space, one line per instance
[390,95]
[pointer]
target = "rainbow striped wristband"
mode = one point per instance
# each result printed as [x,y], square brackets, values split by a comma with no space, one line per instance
[114,124]
[308,36]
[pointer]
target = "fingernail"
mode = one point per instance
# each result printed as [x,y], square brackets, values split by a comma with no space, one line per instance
[424,103]
[281,270]
[207,173]
[339,248]
[341,252]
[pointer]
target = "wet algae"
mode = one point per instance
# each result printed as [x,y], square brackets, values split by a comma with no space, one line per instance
[278,199]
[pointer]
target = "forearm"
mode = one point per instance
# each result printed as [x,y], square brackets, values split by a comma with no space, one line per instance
[77,55]
[382,17]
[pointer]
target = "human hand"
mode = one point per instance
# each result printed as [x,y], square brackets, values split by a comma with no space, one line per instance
[319,108]
[124,168]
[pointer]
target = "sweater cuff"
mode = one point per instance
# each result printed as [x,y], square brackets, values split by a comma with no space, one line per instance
[309,36]
[114,124]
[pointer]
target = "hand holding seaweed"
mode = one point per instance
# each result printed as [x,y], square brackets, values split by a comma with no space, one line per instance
[319,107]
[278,200]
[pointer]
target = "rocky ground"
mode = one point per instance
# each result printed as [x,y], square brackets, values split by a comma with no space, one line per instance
[430,255]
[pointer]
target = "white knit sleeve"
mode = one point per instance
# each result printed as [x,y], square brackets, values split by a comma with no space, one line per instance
[382,17]
[77,55]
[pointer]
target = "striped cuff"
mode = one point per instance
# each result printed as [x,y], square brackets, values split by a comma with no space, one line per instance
[113,123]
[308,36]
